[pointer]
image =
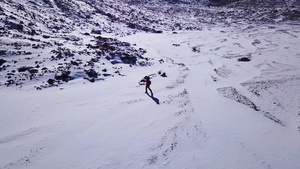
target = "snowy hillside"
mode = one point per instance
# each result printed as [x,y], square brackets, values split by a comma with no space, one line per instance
[225,84]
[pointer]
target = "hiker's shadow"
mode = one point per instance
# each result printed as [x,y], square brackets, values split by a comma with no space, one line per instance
[156,100]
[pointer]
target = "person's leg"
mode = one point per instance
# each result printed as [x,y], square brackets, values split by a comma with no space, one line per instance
[150,91]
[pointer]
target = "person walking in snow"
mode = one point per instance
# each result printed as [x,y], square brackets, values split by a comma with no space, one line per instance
[148,83]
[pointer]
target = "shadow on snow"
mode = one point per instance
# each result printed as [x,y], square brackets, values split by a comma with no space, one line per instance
[156,100]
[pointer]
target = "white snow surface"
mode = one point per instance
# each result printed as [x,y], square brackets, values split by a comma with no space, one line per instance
[187,123]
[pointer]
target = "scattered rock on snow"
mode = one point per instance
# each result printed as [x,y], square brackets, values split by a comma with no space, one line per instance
[162,74]
[214,78]
[9,82]
[232,93]
[196,49]
[273,118]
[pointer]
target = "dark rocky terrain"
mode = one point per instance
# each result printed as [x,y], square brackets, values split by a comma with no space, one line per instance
[52,42]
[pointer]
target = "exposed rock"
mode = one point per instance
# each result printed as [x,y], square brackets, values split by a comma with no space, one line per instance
[46,36]
[107,74]
[233,94]
[16,26]
[51,81]
[162,74]
[64,76]
[24,68]
[244,59]
[92,73]
[2,61]
[196,49]
[129,59]
[9,82]
[94,31]
[74,63]
[32,70]
[2,52]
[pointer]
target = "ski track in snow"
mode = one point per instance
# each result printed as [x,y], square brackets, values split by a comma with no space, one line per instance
[187,123]
[17,135]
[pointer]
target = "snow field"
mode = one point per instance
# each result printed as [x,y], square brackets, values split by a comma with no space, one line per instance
[187,123]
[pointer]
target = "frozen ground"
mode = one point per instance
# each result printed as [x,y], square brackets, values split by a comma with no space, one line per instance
[211,111]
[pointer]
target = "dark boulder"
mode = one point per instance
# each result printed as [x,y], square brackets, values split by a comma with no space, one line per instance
[74,63]
[244,59]
[30,24]
[51,81]
[46,36]
[129,59]
[2,52]
[107,74]
[16,26]
[162,74]
[32,70]
[132,26]
[92,73]
[2,61]
[64,76]
[94,31]
[10,82]
[24,68]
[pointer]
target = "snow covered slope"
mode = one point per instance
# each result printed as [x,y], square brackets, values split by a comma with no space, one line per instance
[187,123]
[225,92]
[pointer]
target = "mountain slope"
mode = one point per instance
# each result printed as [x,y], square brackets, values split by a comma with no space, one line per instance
[201,114]
[225,83]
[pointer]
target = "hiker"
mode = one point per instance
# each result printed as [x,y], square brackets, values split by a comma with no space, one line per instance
[148,83]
